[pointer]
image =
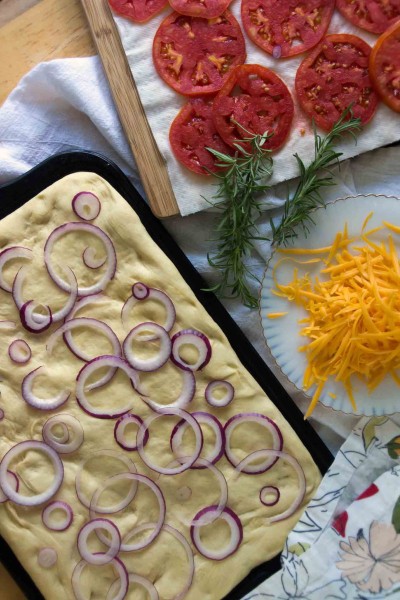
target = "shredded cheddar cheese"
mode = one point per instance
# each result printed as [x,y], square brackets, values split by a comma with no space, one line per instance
[353,311]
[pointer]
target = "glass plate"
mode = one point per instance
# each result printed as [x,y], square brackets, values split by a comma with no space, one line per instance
[283,334]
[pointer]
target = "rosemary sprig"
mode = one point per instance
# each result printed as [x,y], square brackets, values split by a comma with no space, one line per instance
[298,208]
[237,200]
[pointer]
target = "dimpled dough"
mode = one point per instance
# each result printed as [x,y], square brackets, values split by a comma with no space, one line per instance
[164,562]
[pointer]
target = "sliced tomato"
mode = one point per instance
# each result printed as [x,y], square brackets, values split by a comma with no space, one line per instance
[138,10]
[333,76]
[192,131]
[194,56]
[372,15]
[286,28]
[208,9]
[257,99]
[384,66]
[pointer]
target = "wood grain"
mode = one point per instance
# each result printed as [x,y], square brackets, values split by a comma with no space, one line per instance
[10,9]
[151,165]
[50,29]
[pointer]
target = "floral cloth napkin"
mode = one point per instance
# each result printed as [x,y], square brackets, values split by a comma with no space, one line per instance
[346,545]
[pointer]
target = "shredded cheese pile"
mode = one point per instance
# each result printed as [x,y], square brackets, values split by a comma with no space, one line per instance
[353,311]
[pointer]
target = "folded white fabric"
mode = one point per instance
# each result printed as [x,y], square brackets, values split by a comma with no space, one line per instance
[346,545]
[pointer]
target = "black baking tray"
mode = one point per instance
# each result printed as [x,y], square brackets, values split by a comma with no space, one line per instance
[16,193]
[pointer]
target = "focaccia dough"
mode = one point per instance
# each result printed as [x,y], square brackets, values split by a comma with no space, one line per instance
[164,563]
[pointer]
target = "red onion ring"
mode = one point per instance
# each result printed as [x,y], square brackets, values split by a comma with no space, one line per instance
[226,398]
[267,490]
[204,418]
[185,397]
[28,320]
[121,572]
[136,477]
[37,499]
[41,403]
[156,333]
[90,368]
[47,558]
[109,248]
[89,259]
[19,352]
[113,542]
[189,554]
[68,444]
[15,252]
[194,338]
[86,206]
[2,414]
[136,579]
[7,325]
[13,481]
[187,463]
[119,431]
[277,441]
[140,292]
[128,466]
[299,472]
[82,302]
[48,511]
[235,526]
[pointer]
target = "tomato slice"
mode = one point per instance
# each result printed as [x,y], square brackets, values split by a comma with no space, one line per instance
[257,99]
[384,66]
[208,9]
[192,131]
[372,15]
[194,56]
[138,10]
[286,28]
[333,76]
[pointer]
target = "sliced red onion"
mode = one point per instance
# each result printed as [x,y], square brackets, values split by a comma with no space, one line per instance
[189,554]
[136,477]
[277,51]
[14,483]
[122,573]
[109,248]
[140,292]
[41,403]
[7,325]
[90,368]
[47,558]
[90,260]
[277,441]
[241,468]
[188,461]
[69,442]
[57,525]
[119,431]
[19,352]
[15,252]
[2,414]
[236,537]
[137,580]
[185,397]
[37,499]
[223,400]
[203,418]
[154,332]
[86,206]
[128,465]
[191,337]
[266,493]
[184,493]
[113,541]
[28,320]
[82,302]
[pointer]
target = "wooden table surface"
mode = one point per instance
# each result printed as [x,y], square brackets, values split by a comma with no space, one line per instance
[32,31]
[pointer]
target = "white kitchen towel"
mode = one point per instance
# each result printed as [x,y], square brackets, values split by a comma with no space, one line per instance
[162,104]
[65,105]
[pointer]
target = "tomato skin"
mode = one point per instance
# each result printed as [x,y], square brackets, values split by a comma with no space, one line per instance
[288,25]
[191,132]
[207,9]
[195,56]
[372,15]
[384,65]
[333,76]
[264,103]
[138,11]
